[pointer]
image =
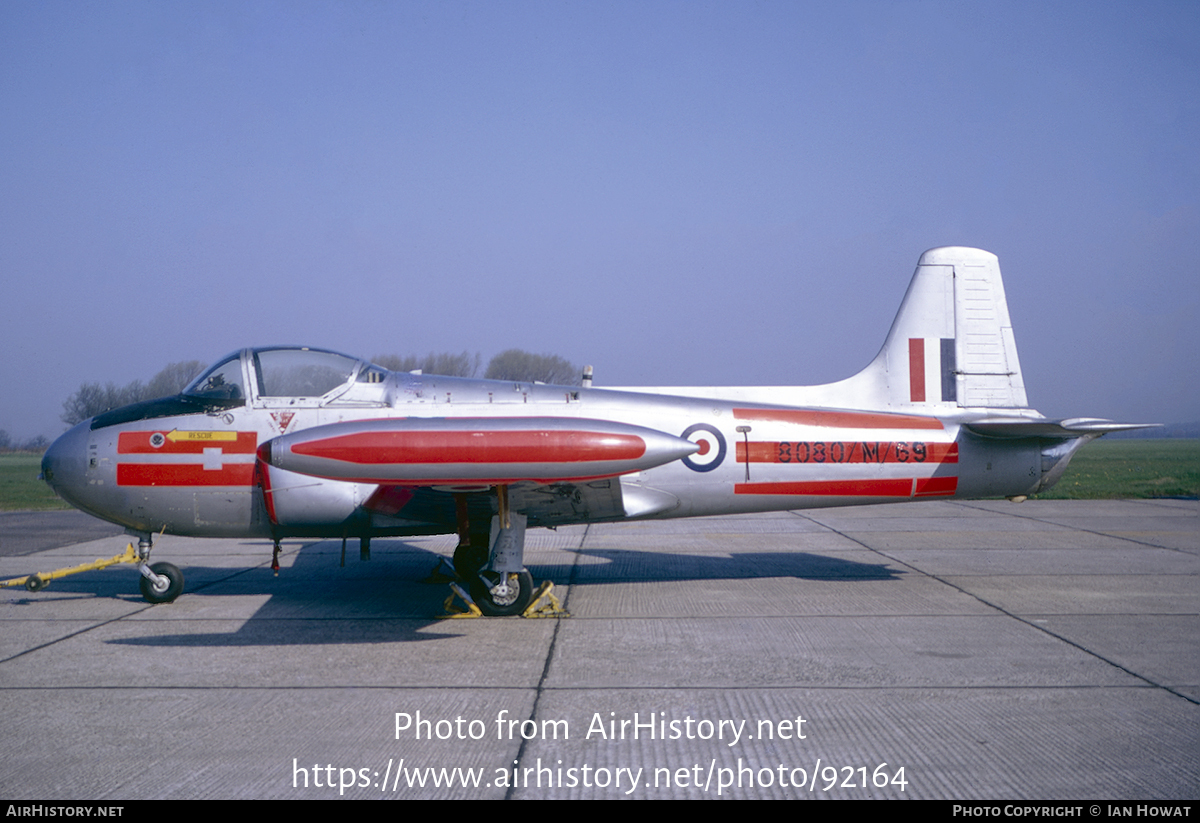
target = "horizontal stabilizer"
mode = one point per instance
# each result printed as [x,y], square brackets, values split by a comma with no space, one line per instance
[1017,427]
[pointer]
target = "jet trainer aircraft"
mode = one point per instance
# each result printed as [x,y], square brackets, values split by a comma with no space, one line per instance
[282,442]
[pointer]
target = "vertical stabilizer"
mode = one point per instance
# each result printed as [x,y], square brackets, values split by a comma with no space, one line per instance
[951,344]
[950,347]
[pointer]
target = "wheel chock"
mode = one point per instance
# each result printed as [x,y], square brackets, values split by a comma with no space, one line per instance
[39,581]
[442,572]
[545,604]
[453,611]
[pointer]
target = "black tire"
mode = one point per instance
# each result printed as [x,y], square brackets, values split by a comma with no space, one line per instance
[34,583]
[174,584]
[482,595]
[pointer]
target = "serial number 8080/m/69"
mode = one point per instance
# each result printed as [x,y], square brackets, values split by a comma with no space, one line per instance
[852,452]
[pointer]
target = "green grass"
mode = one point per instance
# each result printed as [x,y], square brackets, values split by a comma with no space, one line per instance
[1107,469]
[20,488]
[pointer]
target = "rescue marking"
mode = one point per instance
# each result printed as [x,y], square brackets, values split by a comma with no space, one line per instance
[282,420]
[220,452]
[176,435]
[186,442]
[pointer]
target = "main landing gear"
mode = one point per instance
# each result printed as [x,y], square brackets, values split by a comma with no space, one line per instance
[492,562]
[500,594]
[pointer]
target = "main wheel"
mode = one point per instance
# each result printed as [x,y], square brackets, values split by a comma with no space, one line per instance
[485,591]
[167,593]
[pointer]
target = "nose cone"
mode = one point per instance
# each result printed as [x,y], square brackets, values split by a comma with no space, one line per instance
[64,465]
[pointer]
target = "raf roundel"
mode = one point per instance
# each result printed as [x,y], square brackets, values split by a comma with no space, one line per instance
[712,447]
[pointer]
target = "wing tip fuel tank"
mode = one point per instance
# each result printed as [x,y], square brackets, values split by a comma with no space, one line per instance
[476,450]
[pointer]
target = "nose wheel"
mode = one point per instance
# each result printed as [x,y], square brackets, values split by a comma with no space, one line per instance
[161,582]
[165,585]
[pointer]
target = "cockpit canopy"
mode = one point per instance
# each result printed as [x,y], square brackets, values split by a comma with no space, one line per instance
[291,376]
[283,371]
[221,382]
[301,372]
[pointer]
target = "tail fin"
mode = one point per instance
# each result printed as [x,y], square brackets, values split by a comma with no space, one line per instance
[951,344]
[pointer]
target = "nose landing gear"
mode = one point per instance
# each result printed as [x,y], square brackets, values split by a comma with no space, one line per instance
[163,584]
[160,583]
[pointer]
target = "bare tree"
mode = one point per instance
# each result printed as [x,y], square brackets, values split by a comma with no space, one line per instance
[93,399]
[444,363]
[37,443]
[516,364]
[172,379]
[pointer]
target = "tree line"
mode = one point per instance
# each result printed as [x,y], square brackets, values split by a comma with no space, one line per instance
[38,443]
[92,398]
[512,364]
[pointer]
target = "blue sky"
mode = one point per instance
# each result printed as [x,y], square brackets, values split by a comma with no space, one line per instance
[677,193]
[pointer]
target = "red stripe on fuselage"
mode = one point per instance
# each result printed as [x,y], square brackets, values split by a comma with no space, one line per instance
[439,447]
[890,487]
[184,474]
[936,486]
[840,419]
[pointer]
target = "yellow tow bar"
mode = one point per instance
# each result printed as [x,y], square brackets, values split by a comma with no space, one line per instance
[39,581]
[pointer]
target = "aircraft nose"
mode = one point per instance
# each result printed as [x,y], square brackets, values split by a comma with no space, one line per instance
[64,465]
